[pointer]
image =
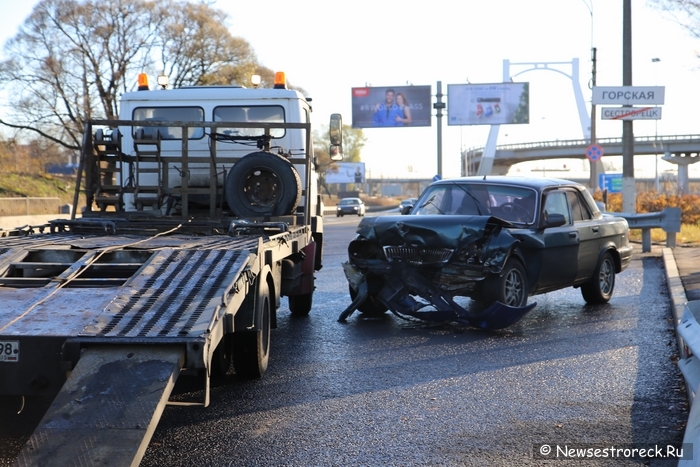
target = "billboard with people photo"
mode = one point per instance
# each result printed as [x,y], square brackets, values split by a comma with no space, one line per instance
[346,172]
[396,106]
[488,104]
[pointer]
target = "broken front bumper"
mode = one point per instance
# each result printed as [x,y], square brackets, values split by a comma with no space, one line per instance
[403,283]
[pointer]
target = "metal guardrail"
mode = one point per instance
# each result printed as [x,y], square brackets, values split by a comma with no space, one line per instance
[29,206]
[688,331]
[669,220]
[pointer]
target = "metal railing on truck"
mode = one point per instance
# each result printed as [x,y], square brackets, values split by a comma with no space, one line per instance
[99,158]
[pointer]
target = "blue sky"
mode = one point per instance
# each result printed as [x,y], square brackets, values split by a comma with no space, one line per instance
[329,48]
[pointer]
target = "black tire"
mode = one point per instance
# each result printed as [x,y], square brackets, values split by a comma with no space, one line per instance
[251,349]
[221,360]
[371,307]
[602,285]
[263,184]
[300,305]
[509,287]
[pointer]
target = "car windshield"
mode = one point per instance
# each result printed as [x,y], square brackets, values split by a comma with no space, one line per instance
[511,203]
[346,202]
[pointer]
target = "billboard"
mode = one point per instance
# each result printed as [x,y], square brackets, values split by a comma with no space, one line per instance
[393,106]
[488,104]
[346,172]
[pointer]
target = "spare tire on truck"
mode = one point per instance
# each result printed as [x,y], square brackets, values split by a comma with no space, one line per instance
[263,184]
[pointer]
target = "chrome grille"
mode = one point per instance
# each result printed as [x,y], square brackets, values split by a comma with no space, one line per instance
[417,255]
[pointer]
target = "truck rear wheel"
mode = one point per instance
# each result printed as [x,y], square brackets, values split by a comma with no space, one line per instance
[263,184]
[300,305]
[251,349]
[221,360]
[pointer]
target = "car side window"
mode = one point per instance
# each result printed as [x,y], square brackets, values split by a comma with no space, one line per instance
[556,203]
[579,210]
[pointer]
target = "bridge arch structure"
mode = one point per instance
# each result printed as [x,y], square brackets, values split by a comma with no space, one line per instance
[489,151]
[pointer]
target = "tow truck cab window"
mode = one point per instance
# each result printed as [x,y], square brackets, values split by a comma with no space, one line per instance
[170,114]
[250,113]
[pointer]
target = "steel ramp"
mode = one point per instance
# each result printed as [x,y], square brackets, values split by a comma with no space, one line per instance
[107,410]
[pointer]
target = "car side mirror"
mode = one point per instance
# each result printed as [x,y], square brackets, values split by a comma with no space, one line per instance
[554,220]
[406,209]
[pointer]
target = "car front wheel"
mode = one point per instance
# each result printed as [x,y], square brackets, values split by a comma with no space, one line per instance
[509,287]
[601,286]
[371,307]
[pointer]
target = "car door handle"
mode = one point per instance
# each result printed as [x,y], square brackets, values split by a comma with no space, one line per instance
[595,229]
[573,234]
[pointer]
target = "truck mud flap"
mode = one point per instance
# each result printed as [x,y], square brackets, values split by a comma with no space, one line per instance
[107,410]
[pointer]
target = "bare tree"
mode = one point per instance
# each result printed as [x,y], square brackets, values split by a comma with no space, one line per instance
[69,61]
[198,49]
[685,12]
[72,59]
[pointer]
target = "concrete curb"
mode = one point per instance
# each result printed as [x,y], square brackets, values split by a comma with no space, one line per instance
[676,294]
[679,300]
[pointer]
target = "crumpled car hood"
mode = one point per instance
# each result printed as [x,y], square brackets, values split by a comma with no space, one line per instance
[480,240]
[433,231]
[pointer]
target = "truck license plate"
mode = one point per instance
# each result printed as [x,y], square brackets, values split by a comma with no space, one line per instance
[9,351]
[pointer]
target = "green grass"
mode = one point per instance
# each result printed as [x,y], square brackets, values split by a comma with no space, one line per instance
[14,185]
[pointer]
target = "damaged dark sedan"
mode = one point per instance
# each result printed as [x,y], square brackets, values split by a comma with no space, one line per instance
[497,240]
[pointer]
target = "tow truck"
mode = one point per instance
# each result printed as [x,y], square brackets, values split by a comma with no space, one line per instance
[201,212]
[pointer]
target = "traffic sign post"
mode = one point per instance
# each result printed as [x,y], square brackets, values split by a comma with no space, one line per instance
[610,182]
[594,152]
[628,95]
[631,113]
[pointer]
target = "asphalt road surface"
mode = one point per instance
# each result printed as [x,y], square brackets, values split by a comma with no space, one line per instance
[390,392]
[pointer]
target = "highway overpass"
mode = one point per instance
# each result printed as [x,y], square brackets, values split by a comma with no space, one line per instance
[681,149]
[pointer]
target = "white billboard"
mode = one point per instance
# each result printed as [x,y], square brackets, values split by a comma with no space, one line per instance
[346,172]
[488,104]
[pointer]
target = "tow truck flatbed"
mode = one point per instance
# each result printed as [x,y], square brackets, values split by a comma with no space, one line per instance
[201,211]
[106,322]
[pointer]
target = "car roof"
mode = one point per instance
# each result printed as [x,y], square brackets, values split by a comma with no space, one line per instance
[537,183]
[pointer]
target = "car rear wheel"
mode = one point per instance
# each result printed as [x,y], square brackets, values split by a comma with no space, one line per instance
[601,286]
[371,307]
[509,287]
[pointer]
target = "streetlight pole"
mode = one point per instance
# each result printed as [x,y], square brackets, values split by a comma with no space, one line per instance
[593,180]
[439,106]
[593,164]
[629,188]
[656,130]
